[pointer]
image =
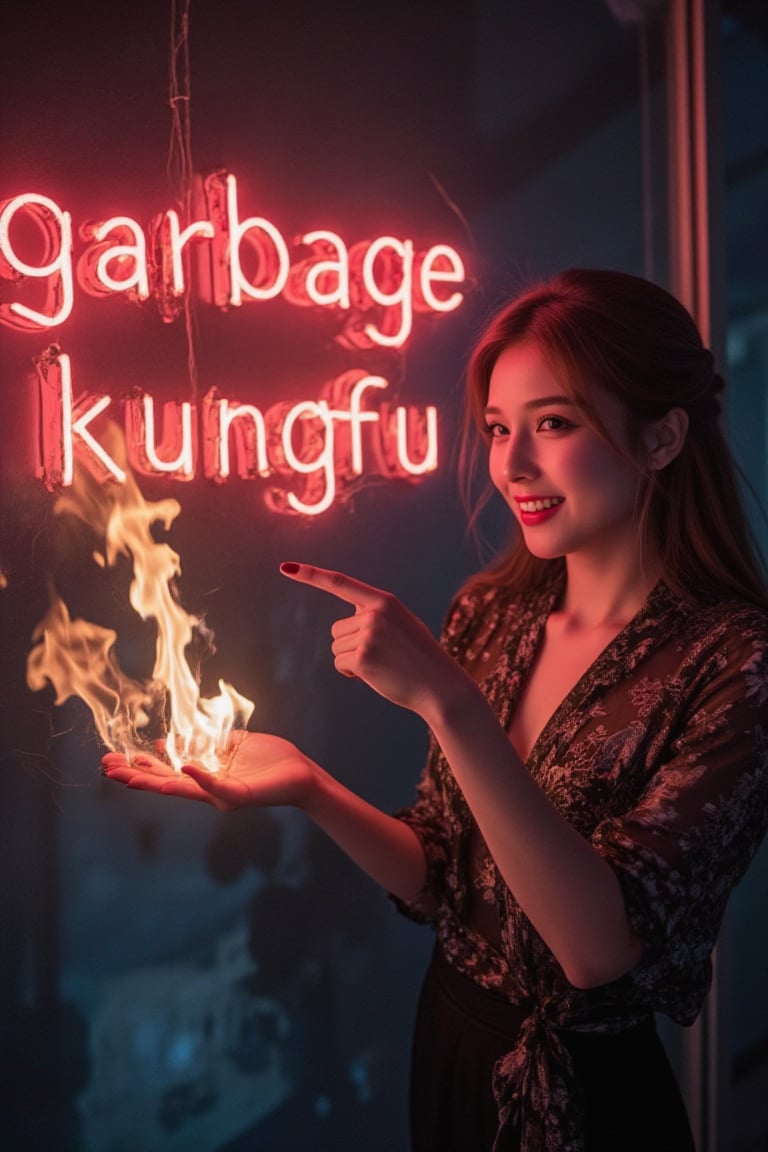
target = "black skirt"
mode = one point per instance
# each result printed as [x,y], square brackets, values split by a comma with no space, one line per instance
[631,1099]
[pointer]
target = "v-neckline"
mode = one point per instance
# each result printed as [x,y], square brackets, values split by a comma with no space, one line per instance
[591,673]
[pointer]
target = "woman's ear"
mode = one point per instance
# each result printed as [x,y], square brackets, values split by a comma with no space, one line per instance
[665,438]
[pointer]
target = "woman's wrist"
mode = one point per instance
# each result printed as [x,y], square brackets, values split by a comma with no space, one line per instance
[316,792]
[454,703]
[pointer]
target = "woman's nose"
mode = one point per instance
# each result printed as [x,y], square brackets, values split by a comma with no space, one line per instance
[519,463]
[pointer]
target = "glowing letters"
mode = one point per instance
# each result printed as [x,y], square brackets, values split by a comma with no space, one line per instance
[375,287]
[309,451]
[55,269]
[305,453]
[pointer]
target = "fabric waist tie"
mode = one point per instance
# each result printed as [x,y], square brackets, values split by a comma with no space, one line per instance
[484,1005]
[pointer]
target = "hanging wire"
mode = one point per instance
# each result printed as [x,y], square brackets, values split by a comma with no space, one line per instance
[179,167]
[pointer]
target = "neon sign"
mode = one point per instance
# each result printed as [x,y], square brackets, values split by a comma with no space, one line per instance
[306,452]
[317,443]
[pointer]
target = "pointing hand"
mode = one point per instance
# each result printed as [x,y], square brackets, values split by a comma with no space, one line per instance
[383,643]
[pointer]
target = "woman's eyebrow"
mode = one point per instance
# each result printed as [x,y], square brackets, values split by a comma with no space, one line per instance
[539,402]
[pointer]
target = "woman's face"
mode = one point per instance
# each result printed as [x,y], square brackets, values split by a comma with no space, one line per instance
[571,492]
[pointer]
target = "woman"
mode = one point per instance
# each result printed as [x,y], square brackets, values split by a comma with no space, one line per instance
[597,780]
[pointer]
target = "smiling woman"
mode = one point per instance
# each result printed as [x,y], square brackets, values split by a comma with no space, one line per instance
[597,780]
[628,359]
[553,467]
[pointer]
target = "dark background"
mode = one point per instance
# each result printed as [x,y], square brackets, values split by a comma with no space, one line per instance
[178,981]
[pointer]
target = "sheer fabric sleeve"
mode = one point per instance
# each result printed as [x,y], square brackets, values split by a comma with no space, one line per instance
[433,815]
[679,852]
[429,817]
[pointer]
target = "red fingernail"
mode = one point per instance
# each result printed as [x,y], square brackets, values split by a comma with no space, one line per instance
[289,568]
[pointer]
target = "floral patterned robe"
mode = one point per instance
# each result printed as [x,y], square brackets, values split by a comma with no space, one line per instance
[659,756]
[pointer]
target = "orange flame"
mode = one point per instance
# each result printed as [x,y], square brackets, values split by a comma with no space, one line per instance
[77,656]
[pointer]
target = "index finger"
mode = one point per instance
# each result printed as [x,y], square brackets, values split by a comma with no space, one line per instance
[344,587]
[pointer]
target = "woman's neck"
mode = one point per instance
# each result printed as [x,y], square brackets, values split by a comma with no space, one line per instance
[598,595]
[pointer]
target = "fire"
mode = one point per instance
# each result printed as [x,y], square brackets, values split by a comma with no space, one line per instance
[77,657]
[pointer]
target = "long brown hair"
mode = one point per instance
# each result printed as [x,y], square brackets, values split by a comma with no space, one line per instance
[640,344]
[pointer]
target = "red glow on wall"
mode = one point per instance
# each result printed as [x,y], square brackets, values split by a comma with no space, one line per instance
[305,453]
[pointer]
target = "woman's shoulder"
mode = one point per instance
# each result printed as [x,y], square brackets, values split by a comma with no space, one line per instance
[729,634]
[730,617]
[479,595]
[479,602]
[467,609]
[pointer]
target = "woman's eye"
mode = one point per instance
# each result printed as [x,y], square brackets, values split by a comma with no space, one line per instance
[494,430]
[552,424]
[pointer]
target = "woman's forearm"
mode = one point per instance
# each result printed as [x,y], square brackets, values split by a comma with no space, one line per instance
[567,890]
[383,846]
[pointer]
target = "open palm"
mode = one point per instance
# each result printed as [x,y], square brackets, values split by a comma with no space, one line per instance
[264,770]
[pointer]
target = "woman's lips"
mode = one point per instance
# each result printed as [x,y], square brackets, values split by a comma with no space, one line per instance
[537,509]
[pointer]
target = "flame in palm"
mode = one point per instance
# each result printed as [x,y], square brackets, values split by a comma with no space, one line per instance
[77,657]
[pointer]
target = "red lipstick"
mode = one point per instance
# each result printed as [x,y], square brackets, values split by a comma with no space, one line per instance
[531,516]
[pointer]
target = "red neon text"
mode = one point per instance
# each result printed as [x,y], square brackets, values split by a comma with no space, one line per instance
[376,287]
[307,453]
